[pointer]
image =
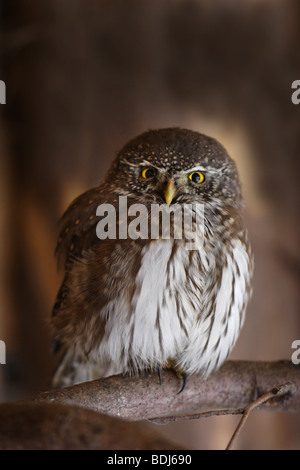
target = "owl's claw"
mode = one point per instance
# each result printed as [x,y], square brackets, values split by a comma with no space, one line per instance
[159,374]
[183,376]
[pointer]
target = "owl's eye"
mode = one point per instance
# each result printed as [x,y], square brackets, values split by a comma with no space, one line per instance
[149,173]
[197,177]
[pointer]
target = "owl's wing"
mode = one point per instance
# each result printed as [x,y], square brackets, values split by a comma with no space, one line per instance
[77,236]
[76,227]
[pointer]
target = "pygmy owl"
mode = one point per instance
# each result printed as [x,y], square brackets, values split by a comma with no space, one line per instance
[129,304]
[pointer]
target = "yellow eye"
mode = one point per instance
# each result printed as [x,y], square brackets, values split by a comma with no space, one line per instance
[197,177]
[148,173]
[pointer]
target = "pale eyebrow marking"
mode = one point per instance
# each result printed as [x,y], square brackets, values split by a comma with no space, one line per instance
[151,164]
[128,163]
[201,168]
[143,162]
[190,170]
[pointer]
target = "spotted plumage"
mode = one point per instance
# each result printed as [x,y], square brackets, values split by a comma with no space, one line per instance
[127,305]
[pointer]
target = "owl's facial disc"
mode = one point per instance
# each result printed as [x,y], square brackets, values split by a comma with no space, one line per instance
[199,166]
[170,184]
[161,182]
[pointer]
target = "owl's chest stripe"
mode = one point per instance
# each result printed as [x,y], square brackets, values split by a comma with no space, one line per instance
[222,316]
[161,311]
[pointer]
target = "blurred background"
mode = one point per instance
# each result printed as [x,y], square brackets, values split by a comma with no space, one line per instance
[83,77]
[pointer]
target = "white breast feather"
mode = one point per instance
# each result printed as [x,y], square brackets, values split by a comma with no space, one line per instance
[193,353]
[202,355]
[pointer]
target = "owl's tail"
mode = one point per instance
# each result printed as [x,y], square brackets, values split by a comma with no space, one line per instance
[75,368]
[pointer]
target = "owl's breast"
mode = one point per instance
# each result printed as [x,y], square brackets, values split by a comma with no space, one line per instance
[153,325]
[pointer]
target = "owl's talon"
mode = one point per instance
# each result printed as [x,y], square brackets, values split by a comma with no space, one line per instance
[159,374]
[183,376]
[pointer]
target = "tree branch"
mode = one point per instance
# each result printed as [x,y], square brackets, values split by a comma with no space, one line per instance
[234,386]
[77,417]
[49,426]
[279,390]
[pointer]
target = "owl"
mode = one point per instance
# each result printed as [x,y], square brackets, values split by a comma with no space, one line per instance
[129,304]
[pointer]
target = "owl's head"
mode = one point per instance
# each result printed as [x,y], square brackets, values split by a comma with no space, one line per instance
[176,165]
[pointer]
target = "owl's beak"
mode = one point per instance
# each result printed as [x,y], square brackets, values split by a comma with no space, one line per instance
[170,191]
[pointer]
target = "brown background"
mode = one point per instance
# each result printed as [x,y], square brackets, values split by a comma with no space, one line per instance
[84,76]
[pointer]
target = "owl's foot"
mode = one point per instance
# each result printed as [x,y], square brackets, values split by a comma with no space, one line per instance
[180,374]
[159,374]
[183,376]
